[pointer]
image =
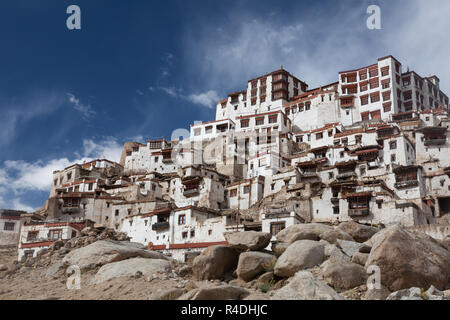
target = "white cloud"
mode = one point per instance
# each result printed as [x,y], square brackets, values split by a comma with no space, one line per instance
[317,45]
[86,110]
[207,99]
[18,205]
[19,177]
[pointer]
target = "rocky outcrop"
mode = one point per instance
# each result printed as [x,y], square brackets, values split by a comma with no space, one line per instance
[417,294]
[304,286]
[332,236]
[168,294]
[350,247]
[103,252]
[446,243]
[360,258]
[344,275]
[252,264]
[408,260]
[334,254]
[215,262]
[309,231]
[248,240]
[302,254]
[359,232]
[222,292]
[376,294]
[132,267]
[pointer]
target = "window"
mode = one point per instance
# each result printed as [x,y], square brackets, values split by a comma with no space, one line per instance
[259,121]
[273,119]
[246,189]
[182,219]
[335,210]
[244,123]
[116,212]
[55,234]
[319,135]
[208,129]
[393,158]
[192,233]
[385,71]
[233,193]
[197,132]
[69,176]
[184,235]
[91,185]
[9,226]
[373,72]
[32,235]
[364,100]
[276,227]
[209,232]
[375,97]
[393,145]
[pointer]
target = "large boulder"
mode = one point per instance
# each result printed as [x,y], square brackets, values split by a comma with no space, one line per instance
[360,258]
[332,236]
[215,262]
[350,247]
[344,275]
[409,259]
[248,240]
[132,267]
[103,252]
[446,243]
[334,254]
[252,264]
[302,254]
[222,292]
[359,232]
[304,286]
[302,231]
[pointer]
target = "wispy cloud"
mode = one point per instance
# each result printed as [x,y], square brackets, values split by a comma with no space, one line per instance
[85,109]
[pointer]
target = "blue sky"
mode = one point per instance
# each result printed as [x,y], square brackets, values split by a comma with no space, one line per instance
[140,69]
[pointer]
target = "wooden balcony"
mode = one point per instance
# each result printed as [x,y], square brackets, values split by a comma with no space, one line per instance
[406,184]
[358,212]
[435,142]
[192,192]
[160,226]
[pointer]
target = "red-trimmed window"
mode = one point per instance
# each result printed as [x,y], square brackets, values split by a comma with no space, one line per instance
[375,114]
[245,123]
[386,95]
[385,71]
[373,72]
[387,106]
[375,97]
[364,116]
[364,100]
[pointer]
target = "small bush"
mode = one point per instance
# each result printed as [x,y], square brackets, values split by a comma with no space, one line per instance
[270,266]
[267,286]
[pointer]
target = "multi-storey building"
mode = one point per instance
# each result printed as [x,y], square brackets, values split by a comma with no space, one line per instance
[372,147]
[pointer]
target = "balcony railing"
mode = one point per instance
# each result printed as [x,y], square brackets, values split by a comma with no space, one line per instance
[358,212]
[346,175]
[406,184]
[70,209]
[191,192]
[434,142]
[308,174]
[160,226]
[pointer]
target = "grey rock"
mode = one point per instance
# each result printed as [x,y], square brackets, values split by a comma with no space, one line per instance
[132,267]
[252,264]
[168,294]
[332,236]
[304,286]
[349,247]
[106,251]
[302,231]
[248,240]
[360,258]
[215,262]
[301,254]
[359,232]
[344,275]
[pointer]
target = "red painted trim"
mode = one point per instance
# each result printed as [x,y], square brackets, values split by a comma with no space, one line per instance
[195,245]
[36,244]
